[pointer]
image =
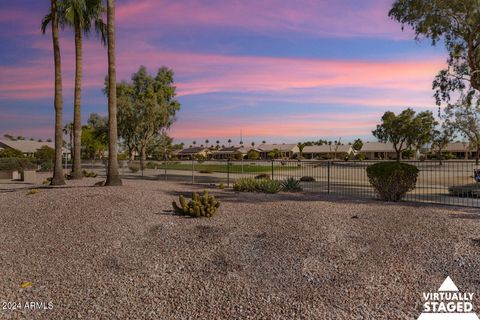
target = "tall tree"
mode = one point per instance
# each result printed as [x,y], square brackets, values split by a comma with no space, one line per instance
[456,23]
[113,177]
[81,16]
[57,178]
[147,106]
[405,130]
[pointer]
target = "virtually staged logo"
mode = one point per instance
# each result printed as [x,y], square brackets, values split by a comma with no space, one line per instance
[448,304]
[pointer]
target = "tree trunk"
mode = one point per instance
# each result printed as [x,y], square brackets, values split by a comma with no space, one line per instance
[113,177]
[58,178]
[77,122]
[143,157]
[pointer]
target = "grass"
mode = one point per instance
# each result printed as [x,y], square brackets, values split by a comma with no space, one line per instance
[222,168]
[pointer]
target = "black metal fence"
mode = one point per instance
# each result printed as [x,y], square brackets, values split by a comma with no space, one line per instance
[451,182]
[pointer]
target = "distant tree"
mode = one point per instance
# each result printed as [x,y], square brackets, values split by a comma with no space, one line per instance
[264,141]
[252,144]
[229,142]
[441,137]
[301,146]
[20,138]
[207,141]
[146,107]
[357,145]
[336,145]
[253,155]
[274,154]
[11,153]
[9,137]
[465,118]
[241,143]
[45,153]
[49,140]
[39,140]
[194,142]
[95,136]
[32,139]
[405,130]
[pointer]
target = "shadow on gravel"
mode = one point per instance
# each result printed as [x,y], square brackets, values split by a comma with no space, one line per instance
[469,216]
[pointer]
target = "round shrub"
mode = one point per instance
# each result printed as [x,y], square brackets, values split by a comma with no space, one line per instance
[392,180]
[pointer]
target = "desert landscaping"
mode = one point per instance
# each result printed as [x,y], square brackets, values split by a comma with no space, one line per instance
[121,252]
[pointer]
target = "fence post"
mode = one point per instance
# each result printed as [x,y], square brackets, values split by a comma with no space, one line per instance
[228,173]
[328,177]
[272,169]
[193,171]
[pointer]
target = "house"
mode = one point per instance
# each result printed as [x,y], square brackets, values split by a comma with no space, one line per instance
[326,151]
[28,147]
[459,150]
[378,151]
[230,153]
[285,150]
[191,153]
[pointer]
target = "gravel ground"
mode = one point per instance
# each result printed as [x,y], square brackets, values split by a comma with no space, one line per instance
[120,253]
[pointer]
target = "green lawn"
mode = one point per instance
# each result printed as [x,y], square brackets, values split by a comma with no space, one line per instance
[234,168]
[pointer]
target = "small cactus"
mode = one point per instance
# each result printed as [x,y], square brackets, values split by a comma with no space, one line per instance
[199,206]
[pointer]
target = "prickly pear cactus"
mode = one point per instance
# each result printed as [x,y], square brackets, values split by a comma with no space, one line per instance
[200,206]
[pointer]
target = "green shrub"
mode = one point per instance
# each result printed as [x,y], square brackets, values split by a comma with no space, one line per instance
[11,153]
[392,180]
[89,174]
[262,176]
[46,166]
[199,206]
[16,164]
[151,165]
[307,179]
[134,167]
[291,185]
[221,186]
[45,153]
[465,191]
[360,157]
[257,185]
[253,155]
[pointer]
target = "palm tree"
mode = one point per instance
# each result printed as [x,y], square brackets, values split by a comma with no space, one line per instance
[206,142]
[57,178]
[81,15]
[264,141]
[253,144]
[229,141]
[113,178]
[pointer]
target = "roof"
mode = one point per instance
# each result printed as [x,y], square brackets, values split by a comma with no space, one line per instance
[193,150]
[28,146]
[377,147]
[327,149]
[284,147]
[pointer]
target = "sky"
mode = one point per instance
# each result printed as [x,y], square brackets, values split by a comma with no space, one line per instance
[273,70]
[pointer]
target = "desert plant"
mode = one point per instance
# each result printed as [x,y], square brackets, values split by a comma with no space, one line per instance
[291,185]
[198,206]
[392,180]
[307,179]
[262,176]
[221,186]
[89,174]
[32,192]
[257,185]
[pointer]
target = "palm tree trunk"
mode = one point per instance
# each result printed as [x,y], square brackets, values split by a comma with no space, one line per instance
[113,177]
[77,122]
[58,178]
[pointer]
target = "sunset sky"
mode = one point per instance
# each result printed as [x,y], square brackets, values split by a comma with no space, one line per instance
[275,70]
